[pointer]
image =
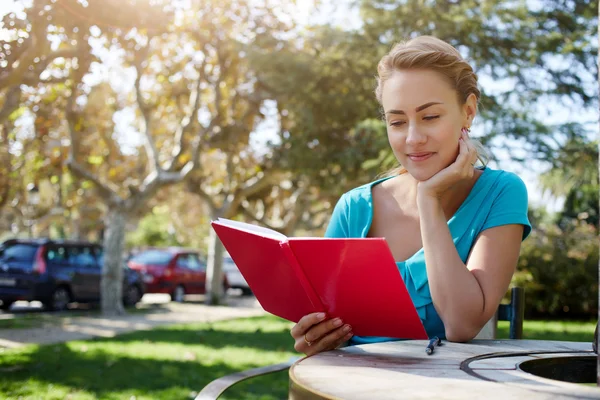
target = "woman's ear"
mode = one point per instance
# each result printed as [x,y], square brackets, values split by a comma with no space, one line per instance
[470,110]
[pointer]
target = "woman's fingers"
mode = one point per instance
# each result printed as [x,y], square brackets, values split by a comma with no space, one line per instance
[306,323]
[467,154]
[463,154]
[319,337]
[322,329]
[331,340]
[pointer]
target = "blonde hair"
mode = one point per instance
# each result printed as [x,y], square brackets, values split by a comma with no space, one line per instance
[428,52]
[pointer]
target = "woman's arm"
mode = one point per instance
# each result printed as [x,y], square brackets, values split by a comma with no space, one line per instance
[466,296]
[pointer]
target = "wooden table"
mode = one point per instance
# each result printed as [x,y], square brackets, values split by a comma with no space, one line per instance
[488,369]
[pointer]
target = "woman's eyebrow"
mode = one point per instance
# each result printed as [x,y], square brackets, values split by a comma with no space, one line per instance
[420,108]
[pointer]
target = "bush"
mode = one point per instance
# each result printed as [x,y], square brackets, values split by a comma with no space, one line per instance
[558,268]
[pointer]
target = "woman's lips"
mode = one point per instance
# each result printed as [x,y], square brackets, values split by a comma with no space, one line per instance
[420,156]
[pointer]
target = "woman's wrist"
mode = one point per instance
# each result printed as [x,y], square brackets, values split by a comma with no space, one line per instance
[427,200]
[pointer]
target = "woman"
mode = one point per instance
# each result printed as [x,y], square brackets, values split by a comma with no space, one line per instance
[455,228]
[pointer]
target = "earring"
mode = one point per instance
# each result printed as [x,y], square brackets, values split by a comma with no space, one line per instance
[466,131]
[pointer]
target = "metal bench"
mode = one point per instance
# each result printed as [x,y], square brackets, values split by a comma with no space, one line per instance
[217,387]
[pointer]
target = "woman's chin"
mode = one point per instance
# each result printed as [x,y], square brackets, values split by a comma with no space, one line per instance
[420,174]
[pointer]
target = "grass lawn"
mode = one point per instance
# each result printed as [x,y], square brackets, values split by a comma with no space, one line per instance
[41,319]
[176,362]
[572,331]
[164,363]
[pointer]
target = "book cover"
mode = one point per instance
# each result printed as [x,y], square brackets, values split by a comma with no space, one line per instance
[355,279]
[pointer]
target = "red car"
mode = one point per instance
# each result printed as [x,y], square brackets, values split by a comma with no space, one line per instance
[174,271]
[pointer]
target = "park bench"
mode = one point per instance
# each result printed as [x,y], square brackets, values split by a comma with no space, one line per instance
[512,312]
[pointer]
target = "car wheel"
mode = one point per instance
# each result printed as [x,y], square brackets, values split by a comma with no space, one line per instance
[133,294]
[60,299]
[6,305]
[178,294]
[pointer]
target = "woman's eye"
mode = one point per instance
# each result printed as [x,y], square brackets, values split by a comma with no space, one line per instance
[396,123]
[431,117]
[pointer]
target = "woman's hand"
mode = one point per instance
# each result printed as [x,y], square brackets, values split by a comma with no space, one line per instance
[461,169]
[313,334]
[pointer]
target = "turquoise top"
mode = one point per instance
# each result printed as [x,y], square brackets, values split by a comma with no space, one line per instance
[497,198]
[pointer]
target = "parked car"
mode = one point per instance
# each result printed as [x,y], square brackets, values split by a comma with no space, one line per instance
[57,272]
[234,276]
[175,271]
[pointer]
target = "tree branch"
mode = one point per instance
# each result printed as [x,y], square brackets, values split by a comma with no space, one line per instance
[263,221]
[197,188]
[106,192]
[188,121]
[11,102]
[14,75]
[147,126]
[5,159]
[254,185]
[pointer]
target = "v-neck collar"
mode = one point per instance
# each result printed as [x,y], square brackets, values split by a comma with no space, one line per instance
[471,194]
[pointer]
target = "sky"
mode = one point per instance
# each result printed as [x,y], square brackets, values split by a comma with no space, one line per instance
[337,12]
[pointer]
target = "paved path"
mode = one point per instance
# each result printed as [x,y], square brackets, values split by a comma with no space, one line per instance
[60,327]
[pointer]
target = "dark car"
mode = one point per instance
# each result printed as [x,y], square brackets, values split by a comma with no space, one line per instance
[57,272]
[175,271]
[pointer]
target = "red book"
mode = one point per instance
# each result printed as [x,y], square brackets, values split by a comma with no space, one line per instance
[355,279]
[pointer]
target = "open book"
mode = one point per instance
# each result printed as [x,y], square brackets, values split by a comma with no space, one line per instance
[354,279]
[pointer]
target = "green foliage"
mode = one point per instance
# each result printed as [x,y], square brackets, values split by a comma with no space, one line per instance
[155,230]
[574,175]
[558,268]
[324,90]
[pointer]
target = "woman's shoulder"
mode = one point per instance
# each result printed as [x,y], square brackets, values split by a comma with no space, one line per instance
[500,188]
[362,193]
[504,180]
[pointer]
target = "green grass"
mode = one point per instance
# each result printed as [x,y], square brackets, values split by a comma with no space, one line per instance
[572,331]
[176,362]
[165,363]
[23,322]
[41,319]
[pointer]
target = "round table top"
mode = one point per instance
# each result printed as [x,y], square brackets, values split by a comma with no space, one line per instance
[402,369]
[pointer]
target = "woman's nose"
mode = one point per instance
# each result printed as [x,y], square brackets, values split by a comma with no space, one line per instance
[415,137]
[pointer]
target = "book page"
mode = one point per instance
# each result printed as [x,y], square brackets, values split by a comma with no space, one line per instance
[259,230]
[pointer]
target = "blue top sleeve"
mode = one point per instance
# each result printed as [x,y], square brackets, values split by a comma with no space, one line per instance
[510,205]
[338,224]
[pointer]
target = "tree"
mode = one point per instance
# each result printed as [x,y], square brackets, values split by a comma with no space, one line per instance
[558,269]
[323,90]
[574,176]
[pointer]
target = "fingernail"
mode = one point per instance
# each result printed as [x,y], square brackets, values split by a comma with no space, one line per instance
[337,322]
[321,315]
[347,328]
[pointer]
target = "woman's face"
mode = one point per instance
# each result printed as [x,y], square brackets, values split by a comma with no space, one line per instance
[424,120]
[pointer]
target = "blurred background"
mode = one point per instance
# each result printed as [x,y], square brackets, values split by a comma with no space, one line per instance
[133,124]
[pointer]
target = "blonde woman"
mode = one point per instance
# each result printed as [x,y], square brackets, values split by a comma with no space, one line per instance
[454,225]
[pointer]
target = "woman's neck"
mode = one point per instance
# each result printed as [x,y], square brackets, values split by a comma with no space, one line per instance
[450,200]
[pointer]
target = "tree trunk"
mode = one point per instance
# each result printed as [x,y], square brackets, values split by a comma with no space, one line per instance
[214,270]
[112,270]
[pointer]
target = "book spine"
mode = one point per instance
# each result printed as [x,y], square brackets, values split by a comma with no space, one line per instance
[308,289]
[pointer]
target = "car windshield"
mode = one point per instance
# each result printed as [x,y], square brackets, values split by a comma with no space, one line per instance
[19,252]
[153,257]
